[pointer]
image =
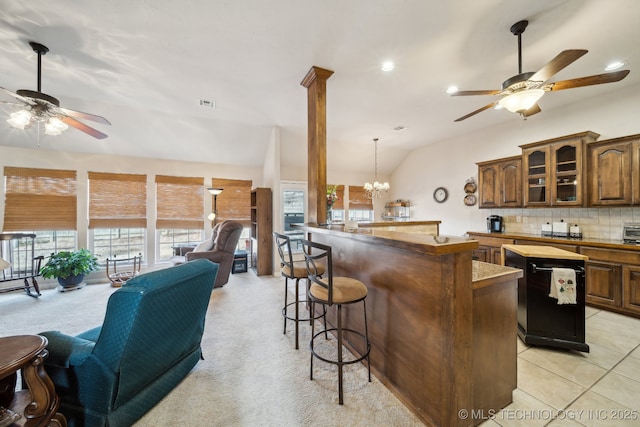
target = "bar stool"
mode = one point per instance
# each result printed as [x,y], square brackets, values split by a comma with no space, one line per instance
[329,291]
[294,270]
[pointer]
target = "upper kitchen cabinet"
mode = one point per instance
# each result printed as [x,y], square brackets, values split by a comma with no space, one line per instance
[500,183]
[553,171]
[612,180]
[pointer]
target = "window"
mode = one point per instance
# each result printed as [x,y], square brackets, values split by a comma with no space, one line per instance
[39,199]
[170,238]
[118,242]
[43,202]
[235,200]
[360,207]
[117,214]
[180,213]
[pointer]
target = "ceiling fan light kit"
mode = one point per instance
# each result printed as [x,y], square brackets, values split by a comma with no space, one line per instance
[42,108]
[520,94]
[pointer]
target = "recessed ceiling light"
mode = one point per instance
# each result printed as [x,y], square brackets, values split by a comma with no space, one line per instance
[452,89]
[614,66]
[388,66]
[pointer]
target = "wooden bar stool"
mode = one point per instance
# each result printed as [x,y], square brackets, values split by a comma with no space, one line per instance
[294,270]
[329,291]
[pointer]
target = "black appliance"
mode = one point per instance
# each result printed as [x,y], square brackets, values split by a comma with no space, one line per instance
[541,320]
[495,224]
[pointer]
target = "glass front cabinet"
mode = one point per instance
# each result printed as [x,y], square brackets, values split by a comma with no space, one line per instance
[553,171]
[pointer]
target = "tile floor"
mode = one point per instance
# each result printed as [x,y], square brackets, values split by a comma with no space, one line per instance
[573,389]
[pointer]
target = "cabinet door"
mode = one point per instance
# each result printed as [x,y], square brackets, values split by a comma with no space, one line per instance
[603,283]
[566,173]
[510,182]
[481,254]
[631,289]
[535,174]
[496,256]
[609,174]
[488,177]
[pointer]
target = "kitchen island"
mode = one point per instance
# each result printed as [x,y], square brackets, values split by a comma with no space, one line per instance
[442,328]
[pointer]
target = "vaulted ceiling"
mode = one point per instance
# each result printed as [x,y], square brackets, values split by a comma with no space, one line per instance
[145,65]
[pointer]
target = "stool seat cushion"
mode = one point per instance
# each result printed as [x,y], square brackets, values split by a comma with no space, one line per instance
[345,291]
[300,270]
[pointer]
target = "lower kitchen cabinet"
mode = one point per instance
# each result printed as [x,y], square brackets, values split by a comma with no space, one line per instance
[490,249]
[631,289]
[603,284]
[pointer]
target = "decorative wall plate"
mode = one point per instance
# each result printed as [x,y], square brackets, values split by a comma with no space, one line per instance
[470,187]
[470,199]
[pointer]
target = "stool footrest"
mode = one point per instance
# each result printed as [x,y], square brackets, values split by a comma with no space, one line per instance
[301,319]
[336,362]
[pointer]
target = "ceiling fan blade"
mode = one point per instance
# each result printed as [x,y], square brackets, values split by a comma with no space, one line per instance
[85,116]
[84,128]
[563,59]
[531,111]
[589,80]
[26,100]
[479,110]
[475,92]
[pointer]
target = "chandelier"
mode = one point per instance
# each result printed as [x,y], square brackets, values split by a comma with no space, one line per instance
[377,189]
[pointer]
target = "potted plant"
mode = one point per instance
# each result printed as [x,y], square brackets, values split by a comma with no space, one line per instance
[69,267]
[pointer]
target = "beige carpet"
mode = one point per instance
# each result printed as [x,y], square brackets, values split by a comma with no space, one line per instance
[251,375]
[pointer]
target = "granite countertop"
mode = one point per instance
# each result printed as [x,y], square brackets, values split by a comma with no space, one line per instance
[485,274]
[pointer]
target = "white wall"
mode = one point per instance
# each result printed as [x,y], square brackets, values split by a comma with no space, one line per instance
[450,163]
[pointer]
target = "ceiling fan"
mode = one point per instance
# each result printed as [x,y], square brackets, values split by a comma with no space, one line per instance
[520,93]
[39,108]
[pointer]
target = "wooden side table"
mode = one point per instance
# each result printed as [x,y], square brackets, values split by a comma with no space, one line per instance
[38,402]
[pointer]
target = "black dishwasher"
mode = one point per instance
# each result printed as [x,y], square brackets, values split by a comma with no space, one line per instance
[541,320]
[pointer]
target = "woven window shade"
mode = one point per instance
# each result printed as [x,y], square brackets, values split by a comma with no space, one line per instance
[40,199]
[117,200]
[339,203]
[358,199]
[235,200]
[179,202]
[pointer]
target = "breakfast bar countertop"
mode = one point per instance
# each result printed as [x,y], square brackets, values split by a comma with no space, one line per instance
[418,242]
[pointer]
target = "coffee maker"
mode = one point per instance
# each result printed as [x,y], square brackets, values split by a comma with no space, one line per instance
[495,224]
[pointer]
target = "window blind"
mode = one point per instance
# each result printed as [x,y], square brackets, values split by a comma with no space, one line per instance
[339,203]
[117,200]
[235,200]
[358,199]
[179,202]
[40,199]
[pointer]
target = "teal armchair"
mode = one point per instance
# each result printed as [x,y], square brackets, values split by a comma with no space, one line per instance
[149,341]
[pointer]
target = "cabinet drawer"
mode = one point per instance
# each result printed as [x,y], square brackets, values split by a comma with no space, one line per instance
[570,248]
[612,255]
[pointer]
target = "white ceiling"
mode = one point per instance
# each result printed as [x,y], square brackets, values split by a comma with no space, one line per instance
[145,65]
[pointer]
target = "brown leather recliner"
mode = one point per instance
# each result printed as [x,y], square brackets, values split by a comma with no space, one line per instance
[224,240]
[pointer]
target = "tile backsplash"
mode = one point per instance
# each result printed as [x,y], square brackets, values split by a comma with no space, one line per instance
[595,223]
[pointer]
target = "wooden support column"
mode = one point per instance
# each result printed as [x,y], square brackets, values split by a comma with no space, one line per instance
[316,83]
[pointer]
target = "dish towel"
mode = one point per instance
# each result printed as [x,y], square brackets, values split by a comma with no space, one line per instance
[563,285]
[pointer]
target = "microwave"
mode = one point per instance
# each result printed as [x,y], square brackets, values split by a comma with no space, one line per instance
[631,233]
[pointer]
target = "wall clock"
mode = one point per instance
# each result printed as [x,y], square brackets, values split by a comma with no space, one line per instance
[440,194]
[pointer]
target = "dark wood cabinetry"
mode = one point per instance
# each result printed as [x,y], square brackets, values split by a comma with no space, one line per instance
[261,231]
[553,171]
[490,249]
[614,171]
[500,183]
[612,273]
